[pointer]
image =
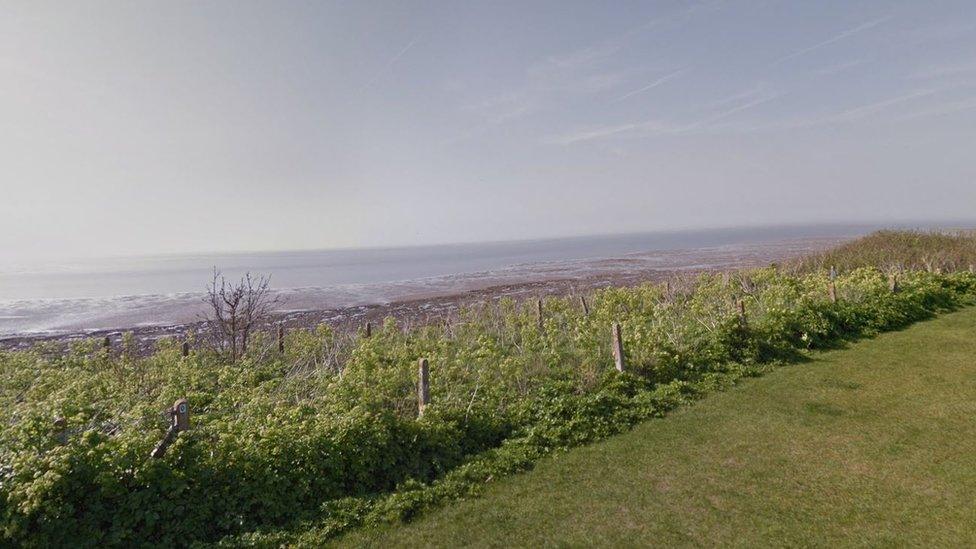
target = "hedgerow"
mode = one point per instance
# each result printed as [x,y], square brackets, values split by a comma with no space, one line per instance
[294,442]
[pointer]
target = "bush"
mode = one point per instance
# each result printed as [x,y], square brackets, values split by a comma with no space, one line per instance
[277,440]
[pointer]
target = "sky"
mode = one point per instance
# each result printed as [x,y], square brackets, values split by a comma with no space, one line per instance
[188,126]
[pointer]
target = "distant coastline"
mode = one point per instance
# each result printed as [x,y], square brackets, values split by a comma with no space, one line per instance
[159,295]
[153,317]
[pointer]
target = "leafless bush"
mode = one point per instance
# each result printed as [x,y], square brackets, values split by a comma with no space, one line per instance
[236,310]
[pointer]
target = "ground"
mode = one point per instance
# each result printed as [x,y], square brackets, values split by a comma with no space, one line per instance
[873,445]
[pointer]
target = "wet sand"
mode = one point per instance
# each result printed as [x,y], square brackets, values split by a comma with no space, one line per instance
[531,282]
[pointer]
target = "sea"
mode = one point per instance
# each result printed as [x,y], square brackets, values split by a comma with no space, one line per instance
[125,292]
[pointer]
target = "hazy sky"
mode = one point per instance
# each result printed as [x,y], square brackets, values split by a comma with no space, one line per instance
[168,126]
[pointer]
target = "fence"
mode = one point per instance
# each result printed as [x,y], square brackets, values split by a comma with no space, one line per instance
[179,413]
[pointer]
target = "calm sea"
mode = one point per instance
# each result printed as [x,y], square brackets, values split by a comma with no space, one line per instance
[125,292]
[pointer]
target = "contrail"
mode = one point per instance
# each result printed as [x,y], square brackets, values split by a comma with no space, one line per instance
[389,65]
[766,98]
[653,84]
[841,36]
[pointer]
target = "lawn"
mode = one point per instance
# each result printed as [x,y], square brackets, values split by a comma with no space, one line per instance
[873,445]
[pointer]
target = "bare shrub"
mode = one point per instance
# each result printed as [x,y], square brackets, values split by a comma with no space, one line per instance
[236,310]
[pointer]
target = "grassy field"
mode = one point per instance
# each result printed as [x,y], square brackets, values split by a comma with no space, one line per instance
[872,445]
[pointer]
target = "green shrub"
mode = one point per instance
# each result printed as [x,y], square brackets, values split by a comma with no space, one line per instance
[278,440]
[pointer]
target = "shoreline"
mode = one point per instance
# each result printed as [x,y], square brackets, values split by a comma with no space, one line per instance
[441,303]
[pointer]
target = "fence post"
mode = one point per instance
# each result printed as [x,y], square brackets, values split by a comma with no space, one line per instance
[61,426]
[586,309]
[423,387]
[618,348]
[538,312]
[741,306]
[745,281]
[972,268]
[893,283]
[832,291]
[369,330]
[833,273]
[107,343]
[281,339]
[186,349]
[180,416]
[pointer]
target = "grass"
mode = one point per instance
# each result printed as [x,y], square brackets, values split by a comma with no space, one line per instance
[872,445]
[894,250]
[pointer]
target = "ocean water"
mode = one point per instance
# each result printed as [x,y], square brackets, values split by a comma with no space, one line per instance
[163,290]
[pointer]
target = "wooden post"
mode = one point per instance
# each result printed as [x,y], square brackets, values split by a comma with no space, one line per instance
[972,268]
[832,292]
[586,308]
[833,273]
[538,312]
[186,349]
[618,348]
[180,416]
[423,387]
[893,283]
[281,339]
[107,343]
[369,330]
[741,305]
[61,426]
[746,283]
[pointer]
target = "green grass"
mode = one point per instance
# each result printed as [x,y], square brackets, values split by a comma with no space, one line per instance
[894,250]
[874,445]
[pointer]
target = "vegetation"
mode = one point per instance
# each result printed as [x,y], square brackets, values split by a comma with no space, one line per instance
[872,446]
[237,310]
[327,434]
[899,250]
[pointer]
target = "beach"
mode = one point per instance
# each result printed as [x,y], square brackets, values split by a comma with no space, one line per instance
[427,299]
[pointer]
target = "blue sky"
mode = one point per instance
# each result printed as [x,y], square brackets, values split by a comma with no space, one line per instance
[133,127]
